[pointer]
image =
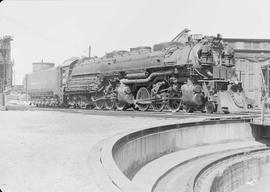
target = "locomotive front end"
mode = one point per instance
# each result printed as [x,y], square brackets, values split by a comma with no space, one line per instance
[210,82]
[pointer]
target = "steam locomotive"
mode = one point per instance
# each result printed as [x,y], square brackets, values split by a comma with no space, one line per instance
[192,72]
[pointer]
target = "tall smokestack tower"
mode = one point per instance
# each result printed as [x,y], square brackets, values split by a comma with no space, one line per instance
[5,63]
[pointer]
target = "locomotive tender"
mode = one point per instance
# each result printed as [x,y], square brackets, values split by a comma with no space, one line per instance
[189,73]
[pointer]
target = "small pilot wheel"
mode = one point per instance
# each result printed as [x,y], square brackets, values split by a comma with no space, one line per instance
[110,104]
[210,107]
[142,99]
[157,103]
[175,104]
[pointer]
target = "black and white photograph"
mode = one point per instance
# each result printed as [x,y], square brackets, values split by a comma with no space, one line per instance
[134,96]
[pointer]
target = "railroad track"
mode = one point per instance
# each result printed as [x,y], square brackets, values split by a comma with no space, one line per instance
[164,114]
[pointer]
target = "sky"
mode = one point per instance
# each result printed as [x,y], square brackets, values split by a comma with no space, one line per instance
[56,30]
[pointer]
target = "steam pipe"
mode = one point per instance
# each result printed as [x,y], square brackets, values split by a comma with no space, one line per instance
[151,76]
[137,75]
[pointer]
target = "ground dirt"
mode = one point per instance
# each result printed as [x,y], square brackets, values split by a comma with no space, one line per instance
[50,151]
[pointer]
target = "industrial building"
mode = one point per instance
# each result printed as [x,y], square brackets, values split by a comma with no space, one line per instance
[6,63]
[250,56]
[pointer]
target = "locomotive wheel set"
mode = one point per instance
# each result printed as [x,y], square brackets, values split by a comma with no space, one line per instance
[189,73]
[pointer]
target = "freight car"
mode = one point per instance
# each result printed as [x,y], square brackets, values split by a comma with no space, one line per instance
[189,73]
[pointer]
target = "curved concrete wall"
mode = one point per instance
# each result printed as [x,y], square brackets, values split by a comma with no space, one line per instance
[134,150]
[240,173]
